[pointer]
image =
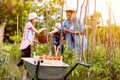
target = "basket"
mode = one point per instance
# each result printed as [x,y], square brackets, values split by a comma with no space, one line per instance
[43,38]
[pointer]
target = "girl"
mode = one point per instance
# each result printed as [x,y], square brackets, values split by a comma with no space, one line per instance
[28,39]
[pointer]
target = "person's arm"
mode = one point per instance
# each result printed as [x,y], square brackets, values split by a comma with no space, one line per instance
[37,31]
[40,30]
[53,31]
[73,32]
[76,32]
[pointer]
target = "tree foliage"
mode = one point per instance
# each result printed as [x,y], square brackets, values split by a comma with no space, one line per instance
[97,17]
[49,10]
[9,11]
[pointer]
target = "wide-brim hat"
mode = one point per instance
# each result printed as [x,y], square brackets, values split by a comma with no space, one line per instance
[70,9]
[32,15]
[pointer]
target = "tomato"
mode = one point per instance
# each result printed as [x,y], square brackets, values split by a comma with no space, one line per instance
[49,57]
[41,57]
[54,58]
[67,31]
[57,58]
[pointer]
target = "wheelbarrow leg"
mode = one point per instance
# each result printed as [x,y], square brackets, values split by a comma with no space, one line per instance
[36,72]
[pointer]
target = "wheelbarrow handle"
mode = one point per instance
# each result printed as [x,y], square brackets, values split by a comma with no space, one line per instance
[78,63]
[85,65]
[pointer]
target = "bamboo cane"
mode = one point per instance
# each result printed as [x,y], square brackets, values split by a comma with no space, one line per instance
[85,19]
[87,28]
[61,39]
[94,32]
[108,46]
[49,50]
[80,55]
[17,24]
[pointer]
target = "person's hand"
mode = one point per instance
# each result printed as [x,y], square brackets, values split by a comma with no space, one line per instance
[67,31]
[35,41]
[59,47]
[40,30]
[43,29]
[49,33]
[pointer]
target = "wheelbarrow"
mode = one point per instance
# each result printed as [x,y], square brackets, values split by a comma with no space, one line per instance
[41,71]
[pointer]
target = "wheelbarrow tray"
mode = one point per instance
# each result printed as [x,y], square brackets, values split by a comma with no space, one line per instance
[46,71]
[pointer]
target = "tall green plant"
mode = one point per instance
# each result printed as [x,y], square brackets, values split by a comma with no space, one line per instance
[4,61]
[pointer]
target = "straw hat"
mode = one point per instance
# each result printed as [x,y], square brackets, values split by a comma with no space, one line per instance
[32,15]
[70,9]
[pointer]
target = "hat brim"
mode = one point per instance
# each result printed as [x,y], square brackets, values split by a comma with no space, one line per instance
[70,10]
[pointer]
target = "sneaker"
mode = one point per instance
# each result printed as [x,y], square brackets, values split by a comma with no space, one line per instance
[24,78]
[20,63]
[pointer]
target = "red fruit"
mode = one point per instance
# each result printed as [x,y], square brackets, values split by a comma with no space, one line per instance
[50,58]
[57,58]
[67,31]
[41,57]
[47,58]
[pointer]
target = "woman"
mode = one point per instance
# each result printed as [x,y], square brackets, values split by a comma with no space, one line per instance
[74,32]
